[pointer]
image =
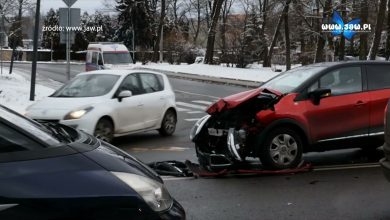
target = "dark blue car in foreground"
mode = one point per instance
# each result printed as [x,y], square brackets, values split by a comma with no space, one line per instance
[51,171]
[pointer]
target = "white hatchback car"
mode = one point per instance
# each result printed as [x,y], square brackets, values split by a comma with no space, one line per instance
[112,103]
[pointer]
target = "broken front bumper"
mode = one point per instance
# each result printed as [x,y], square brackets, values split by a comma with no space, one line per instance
[213,159]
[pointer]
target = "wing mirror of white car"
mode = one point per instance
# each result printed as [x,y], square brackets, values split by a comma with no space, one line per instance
[124,94]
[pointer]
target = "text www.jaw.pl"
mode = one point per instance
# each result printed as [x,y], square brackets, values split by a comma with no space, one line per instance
[76,29]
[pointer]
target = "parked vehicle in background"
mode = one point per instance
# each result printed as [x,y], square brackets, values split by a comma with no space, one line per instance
[107,55]
[311,108]
[52,171]
[112,103]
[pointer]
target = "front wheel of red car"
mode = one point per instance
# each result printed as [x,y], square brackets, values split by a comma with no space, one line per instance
[282,149]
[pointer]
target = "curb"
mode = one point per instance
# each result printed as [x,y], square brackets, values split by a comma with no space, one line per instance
[177,75]
[44,62]
[208,79]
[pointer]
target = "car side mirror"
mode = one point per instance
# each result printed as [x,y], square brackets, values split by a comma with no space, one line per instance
[319,94]
[124,94]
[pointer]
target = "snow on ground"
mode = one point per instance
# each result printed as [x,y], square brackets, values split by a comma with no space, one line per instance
[254,73]
[15,91]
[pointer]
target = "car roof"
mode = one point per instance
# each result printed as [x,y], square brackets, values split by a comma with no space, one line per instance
[120,72]
[346,63]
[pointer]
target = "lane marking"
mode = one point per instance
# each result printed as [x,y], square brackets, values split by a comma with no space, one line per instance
[196,112]
[190,93]
[192,119]
[169,149]
[347,167]
[182,109]
[201,107]
[202,102]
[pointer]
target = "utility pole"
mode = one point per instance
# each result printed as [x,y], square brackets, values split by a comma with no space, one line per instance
[68,46]
[35,51]
[162,45]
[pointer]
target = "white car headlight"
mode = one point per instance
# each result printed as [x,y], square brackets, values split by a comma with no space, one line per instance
[154,193]
[77,114]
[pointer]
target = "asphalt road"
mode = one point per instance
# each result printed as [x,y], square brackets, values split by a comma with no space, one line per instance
[347,184]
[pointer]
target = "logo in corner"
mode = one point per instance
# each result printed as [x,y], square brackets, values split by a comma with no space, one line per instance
[348,30]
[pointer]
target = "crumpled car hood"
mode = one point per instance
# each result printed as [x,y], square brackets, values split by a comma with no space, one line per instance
[235,100]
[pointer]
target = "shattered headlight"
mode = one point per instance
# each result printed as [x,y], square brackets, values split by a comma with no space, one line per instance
[154,193]
[198,126]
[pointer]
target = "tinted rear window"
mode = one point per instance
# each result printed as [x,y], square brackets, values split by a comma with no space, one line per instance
[378,76]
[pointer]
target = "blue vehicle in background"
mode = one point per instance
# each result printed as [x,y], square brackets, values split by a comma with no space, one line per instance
[51,171]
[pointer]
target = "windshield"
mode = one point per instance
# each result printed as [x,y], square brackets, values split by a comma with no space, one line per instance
[89,85]
[30,126]
[288,81]
[117,58]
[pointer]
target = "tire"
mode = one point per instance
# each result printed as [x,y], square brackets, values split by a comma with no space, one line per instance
[104,130]
[275,154]
[168,124]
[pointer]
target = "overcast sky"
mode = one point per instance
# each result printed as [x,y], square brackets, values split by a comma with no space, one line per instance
[85,5]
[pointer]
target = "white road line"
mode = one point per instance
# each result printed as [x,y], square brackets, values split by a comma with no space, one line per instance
[348,167]
[192,119]
[190,93]
[201,107]
[196,112]
[182,109]
[202,102]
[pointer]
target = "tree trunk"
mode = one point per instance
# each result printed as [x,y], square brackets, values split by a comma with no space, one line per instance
[342,39]
[212,31]
[321,39]
[275,37]
[378,29]
[198,22]
[265,45]
[388,33]
[363,36]
[287,36]
[159,31]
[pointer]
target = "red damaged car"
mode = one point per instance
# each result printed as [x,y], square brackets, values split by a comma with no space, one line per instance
[311,108]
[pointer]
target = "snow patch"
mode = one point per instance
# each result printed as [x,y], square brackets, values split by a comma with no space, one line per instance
[15,92]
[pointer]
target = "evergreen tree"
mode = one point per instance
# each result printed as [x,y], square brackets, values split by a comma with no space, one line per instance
[135,14]
[108,27]
[51,38]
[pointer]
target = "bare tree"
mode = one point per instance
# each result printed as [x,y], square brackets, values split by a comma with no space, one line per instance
[387,52]
[195,23]
[225,13]
[217,5]
[276,33]
[378,29]
[342,38]
[159,32]
[321,39]
[363,36]
[287,36]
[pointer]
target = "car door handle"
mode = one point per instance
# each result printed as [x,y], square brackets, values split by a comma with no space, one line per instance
[140,105]
[162,98]
[360,103]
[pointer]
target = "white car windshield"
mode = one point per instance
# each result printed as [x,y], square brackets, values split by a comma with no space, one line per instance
[90,85]
[288,81]
[116,58]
